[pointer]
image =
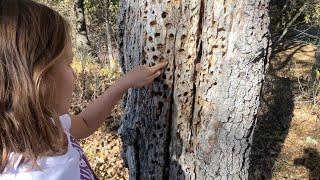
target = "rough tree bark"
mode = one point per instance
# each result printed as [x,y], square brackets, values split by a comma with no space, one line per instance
[195,121]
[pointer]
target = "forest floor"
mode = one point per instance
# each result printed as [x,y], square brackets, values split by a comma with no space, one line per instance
[286,142]
[299,157]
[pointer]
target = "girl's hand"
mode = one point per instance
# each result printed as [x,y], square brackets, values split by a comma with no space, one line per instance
[142,75]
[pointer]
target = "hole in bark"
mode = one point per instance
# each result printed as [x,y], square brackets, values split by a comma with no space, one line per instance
[160,104]
[161,134]
[159,46]
[215,83]
[181,50]
[144,61]
[164,14]
[165,86]
[168,51]
[168,69]
[146,4]
[154,57]
[153,49]
[183,36]
[157,80]
[171,35]
[154,136]
[157,93]
[221,29]
[164,76]
[152,12]
[145,12]
[153,23]
[185,93]
[150,38]
[189,56]
[178,75]
[168,25]
[215,46]
[157,34]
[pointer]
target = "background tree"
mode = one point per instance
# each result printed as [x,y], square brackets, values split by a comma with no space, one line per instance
[196,121]
[82,38]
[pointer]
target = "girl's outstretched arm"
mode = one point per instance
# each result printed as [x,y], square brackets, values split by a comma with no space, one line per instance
[92,117]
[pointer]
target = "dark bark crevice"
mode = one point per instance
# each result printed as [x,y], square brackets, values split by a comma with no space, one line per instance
[169,122]
[197,60]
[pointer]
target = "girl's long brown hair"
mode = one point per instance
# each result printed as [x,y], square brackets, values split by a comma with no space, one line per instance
[32,36]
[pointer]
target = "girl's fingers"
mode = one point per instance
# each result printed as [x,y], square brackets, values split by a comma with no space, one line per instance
[158,66]
[154,75]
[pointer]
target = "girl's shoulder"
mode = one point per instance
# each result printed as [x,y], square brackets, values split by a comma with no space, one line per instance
[55,166]
[65,120]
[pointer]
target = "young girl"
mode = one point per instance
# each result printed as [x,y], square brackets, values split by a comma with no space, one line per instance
[37,135]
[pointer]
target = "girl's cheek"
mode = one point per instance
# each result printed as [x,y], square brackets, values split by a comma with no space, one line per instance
[74,77]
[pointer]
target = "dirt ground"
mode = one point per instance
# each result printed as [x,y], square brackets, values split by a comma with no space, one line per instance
[286,140]
[299,157]
[285,143]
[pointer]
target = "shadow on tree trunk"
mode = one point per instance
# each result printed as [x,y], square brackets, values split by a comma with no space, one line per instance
[273,123]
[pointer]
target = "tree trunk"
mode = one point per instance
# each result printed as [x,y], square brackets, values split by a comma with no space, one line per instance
[82,39]
[195,121]
[111,59]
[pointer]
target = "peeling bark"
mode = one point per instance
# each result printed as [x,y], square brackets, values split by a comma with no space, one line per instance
[196,121]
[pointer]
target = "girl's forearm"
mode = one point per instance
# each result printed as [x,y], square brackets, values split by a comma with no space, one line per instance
[97,112]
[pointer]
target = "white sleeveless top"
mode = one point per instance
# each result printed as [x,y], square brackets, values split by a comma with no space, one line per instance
[73,165]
